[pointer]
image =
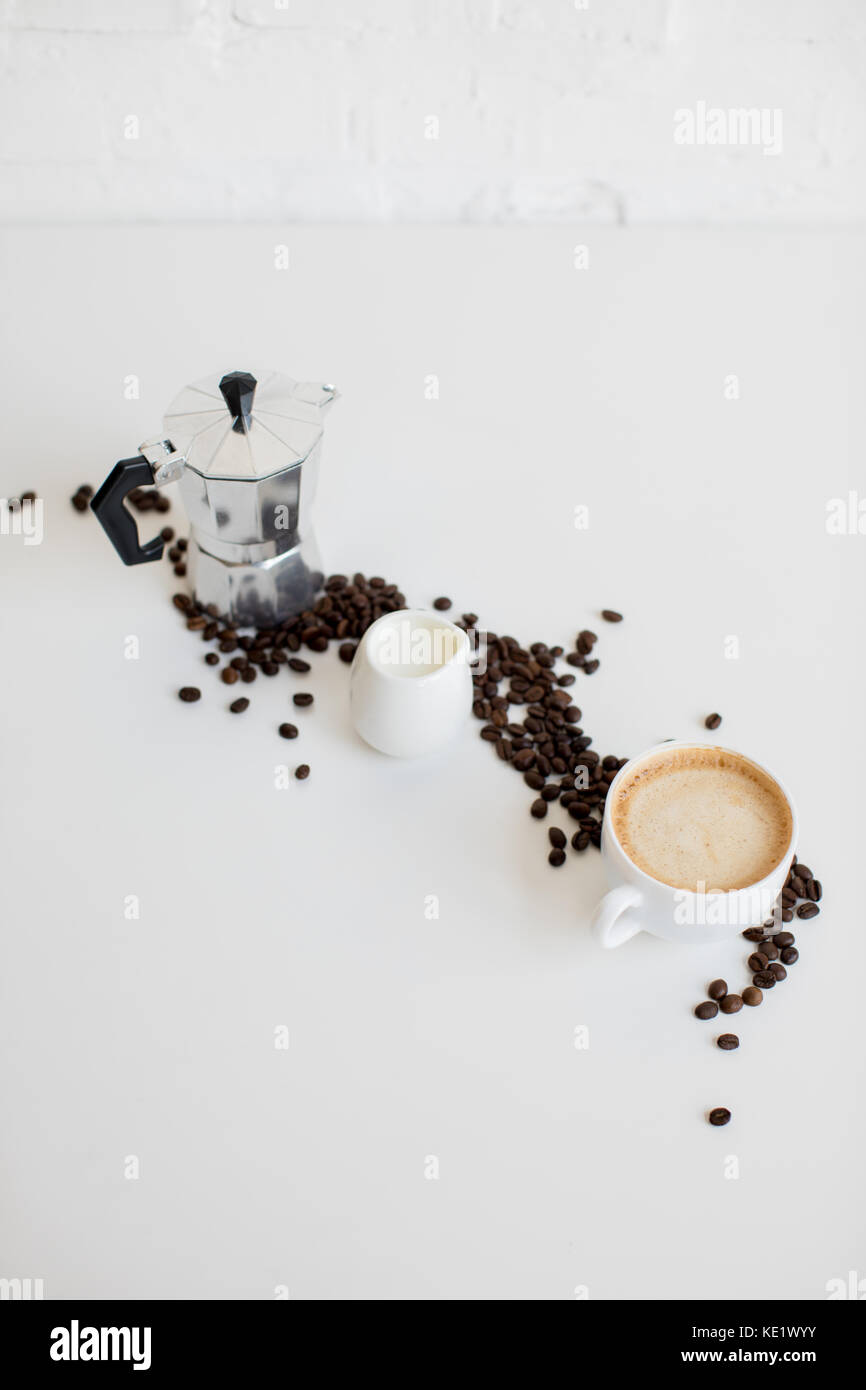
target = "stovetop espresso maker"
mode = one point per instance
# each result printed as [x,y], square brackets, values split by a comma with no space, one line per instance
[245,450]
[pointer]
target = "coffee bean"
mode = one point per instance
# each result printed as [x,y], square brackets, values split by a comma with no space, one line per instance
[180,570]
[731,1004]
[212,659]
[288,731]
[708,1009]
[754,934]
[713,721]
[296,664]
[764,979]
[182,543]
[790,955]
[752,996]
[181,601]
[167,534]
[815,890]
[556,857]
[196,624]
[803,870]
[442,604]
[758,961]
[783,939]
[302,700]
[807,910]
[779,971]
[238,706]
[610,615]
[531,778]
[524,760]
[538,809]
[580,839]
[798,884]
[769,950]
[269,668]
[189,694]
[557,837]
[718,989]
[79,502]
[302,772]
[727,1042]
[787,915]
[719,1116]
[229,675]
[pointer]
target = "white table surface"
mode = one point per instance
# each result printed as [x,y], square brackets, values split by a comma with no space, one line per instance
[559,1169]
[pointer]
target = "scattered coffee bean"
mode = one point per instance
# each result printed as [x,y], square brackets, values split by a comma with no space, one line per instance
[347,652]
[180,570]
[731,1004]
[212,659]
[815,890]
[752,996]
[708,1009]
[718,989]
[610,615]
[727,1042]
[807,910]
[238,706]
[764,979]
[302,700]
[229,675]
[783,939]
[296,664]
[538,809]
[754,934]
[713,721]
[189,694]
[167,534]
[757,961]
[302,772]
[779,971]
[719,1116]
[790,955]
[442,605]
[557,837]
[288,731]
[556,857]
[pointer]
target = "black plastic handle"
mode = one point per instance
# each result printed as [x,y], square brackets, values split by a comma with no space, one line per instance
[119,524]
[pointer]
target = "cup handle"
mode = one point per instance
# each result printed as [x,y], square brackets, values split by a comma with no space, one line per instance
[607,928]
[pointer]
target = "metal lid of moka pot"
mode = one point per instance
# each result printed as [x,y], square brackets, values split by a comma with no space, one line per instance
[242,426]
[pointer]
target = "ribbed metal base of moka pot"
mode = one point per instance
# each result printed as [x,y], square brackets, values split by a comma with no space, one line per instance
[262,593]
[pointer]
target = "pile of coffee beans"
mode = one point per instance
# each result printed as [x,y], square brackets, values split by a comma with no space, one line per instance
[15,502]
[773,951]
[341,614]
[148,499]
[80,499]
[548,746]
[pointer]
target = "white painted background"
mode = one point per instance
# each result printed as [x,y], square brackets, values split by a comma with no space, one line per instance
[316,110]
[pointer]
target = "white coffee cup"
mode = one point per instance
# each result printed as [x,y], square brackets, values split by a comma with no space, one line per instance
[637,902]
[411,684]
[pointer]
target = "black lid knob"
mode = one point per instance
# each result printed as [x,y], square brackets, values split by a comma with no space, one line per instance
[238,389]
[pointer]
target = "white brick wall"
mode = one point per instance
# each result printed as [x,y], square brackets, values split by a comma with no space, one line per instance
[323,110]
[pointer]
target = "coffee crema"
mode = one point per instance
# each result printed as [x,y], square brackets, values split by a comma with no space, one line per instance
[702,818]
